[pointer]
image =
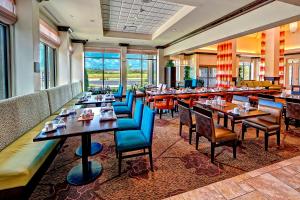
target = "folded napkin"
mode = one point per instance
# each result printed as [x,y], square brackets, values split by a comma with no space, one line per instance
[108,118]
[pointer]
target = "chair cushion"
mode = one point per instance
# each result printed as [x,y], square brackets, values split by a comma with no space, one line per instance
[262,124]
[122,110]
[163,105]
[129,140]
[224,134]
[127,124]
[22,158]
[119,103]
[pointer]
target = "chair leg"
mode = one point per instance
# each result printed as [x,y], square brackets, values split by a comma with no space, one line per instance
[257,133]
[120,163]
[212,152]
[197,140]
[286,124]
[150,158]
[232,125]
[234,149]
[172,113]
[243,131]
[266,141]
[160,113]
[278,137]
[180,128]
[218,121]
[190,135]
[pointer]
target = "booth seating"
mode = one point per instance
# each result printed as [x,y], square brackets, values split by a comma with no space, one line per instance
[254,84]
[23,161]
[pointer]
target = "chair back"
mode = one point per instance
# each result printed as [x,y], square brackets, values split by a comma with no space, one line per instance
[148,124]
[274,108]
[194,83]
[295,89]
[127,97]
[159,87]
[138,112]
[293,108]
[130,100]
[266,97]
[120,90]
[236,99]
[164,86]
[167,99]
[185,115]
[204,123]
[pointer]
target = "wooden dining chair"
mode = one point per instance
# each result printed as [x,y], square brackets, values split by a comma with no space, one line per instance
[292,111]
[185,118]
[266,97]
[269,124]
[236,100]
[164,102]
[218,136]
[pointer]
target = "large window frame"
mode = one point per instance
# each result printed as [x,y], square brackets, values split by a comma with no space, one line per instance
[103,58]
[6,61]
[46,66]
[242,71]
[208,76]
[141,58]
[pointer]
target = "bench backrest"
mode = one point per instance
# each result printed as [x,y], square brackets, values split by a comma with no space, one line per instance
[59,96]
[76,89]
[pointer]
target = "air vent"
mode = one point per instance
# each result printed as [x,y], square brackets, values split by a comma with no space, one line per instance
[130,28]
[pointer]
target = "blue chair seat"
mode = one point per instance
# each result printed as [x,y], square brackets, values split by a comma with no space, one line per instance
[122,110]
[130,140]
[127,124]
[119,103]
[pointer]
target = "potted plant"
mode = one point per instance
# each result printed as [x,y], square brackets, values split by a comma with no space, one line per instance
[187,76]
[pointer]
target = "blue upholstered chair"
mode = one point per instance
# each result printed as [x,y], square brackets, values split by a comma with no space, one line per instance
[132,123]
[118,95]
[125,110]
[132,140]
[122,103]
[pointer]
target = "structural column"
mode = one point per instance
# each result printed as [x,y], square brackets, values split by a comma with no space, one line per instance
[123,48]
[26,48]
[161,62]
[272,52]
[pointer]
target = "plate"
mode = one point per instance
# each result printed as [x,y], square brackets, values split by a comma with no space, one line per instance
[54,128]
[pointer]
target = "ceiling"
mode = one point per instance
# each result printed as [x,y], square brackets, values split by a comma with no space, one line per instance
[136,16]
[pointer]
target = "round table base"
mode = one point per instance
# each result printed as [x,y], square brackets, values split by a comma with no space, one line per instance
[76,176]
[95,148]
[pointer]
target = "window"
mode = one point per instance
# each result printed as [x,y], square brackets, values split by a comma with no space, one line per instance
[3,61]
[47,66]
[208,75]
[103,69]
[245,70]
[141,69]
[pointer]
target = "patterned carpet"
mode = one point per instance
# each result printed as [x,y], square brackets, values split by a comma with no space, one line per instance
[178,166]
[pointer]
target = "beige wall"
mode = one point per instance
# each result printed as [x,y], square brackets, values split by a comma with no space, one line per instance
[77,62]
[63,60]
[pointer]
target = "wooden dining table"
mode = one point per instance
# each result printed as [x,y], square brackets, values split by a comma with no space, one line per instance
[227,110]
[93,99]
[87,171]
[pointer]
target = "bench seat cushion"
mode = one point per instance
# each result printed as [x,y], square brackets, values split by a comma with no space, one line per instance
[22,158]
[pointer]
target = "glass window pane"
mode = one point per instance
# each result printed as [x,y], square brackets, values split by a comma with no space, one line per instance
[146,65]
[94,69]
[133,56]
[43,66]
[51,67]
[133,73]
[93,54]
[112,73]
[111,55]
[3,63]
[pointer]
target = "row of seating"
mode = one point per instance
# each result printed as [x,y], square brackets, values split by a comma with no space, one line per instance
[22,118]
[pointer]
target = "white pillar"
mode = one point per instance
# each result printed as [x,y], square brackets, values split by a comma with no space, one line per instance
[77,62]
[63,60]
[26,48]
[161,62]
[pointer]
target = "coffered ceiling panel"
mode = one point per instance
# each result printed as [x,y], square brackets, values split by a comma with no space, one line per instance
[136,16]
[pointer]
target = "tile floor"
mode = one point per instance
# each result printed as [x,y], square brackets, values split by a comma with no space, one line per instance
[277,181]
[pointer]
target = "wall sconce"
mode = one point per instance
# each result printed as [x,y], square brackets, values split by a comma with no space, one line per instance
[293,27]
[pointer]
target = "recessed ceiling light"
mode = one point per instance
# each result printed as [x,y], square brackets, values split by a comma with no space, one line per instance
[174,30]
[72,16]
[92,20]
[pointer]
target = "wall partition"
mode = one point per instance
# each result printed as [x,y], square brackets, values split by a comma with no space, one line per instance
[103,68]
[4,55]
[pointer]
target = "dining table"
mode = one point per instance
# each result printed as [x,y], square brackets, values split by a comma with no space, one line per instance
[97,100]
[102,121]
[227,110]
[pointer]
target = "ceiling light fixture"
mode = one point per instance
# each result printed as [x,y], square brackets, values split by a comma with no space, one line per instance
[293,27]
[174,30]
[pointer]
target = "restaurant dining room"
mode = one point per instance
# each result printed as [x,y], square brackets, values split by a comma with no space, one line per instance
[149,99]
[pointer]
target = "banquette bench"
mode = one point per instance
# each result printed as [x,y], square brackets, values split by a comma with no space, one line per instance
[22,161]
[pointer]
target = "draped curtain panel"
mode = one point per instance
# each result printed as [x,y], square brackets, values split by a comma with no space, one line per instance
[281,55]
[8,11]
[262,67]
[224,64]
